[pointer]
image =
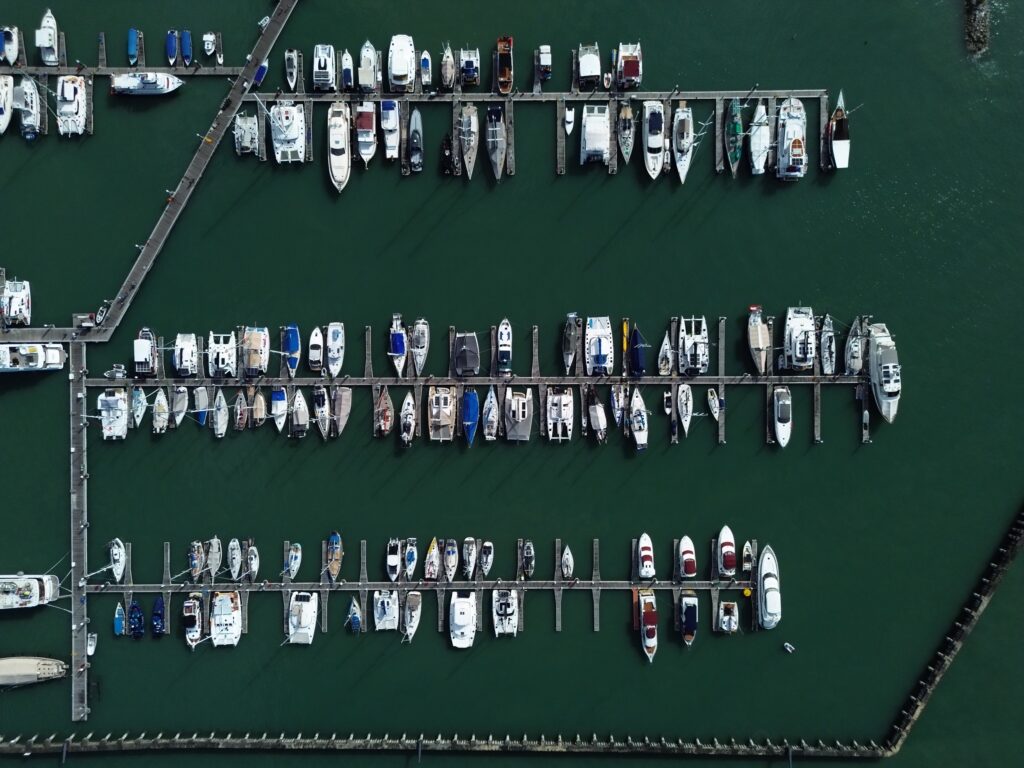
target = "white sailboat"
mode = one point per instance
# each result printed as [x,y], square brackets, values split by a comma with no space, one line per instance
[419,344]
[828,346]
[684,407]
[432,561]
[469,137]
[411,615]
[469,557]
[884,367]
[758,339]
[490,416]
[161,412]
[638,419]
[682,139]
[279,407]
[760,140]
[221,414]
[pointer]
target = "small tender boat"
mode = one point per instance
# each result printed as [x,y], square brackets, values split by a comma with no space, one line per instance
[196,560]
[355,616]
[469,137]
[303,609]
[647,607]
[416,141]
[726,552]
[426,71]
[221,414]
[335,348]
[341,407]
[654,138]
[252,557]
[234,559]
[568,563]
[383,414]
[118,559]
[451,559]
[462,619]
[688,610]
[432,561]
[626,130]
[294,561]
[570,336]
[638,420]
[410,557]
[714,404]
[733,136]
[486,557]
[161,412]
[505,612]
[291,67]
[838,132]
[299,424]
[448,70]
[241,411]
[685,407]
[570,120]
[529,558]
[347,71]
[748,557]
[397,343]
[119,623]
[419,344]
[279,407]
[393,558]
[469,557]
[693,355]
[760,140]
[470,414]
[157,624]
[828,346]
[192,619]
[783,411]
[411,615]
[666,402]
[90,643]
[186,47]
[9,45]
[682,139]
[136,620]
[687,558]
[407,420]
[856,348]
[171,47]
[322,410]
[335,554]
[645,557]
[758,339]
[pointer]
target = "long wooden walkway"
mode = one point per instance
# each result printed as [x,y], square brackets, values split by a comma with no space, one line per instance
[79,484]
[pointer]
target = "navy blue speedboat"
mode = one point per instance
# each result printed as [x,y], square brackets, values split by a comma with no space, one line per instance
[470,414]
[136,620]
[637,345]
[172,47]
[157,620]
[186,47]
[133,46]
[291,347]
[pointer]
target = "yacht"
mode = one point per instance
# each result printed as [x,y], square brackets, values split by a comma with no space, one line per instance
[470,414]
[113,408]
[220,414]
[222,355]
[186,47]
[185,357]
[347,72]
[366,131]
[626,130]
[769,592]
[46,39]
[685,407]
[589,65]
[339,147]
[505,612]
[758,339]
[288,131]
[210,44]
[299,425]
[291,348]
[441,413]
[416,141]
[728,617]
[518,415]
[26,100]
[714,403]
[469,557]
[597,417]
[225,619]
[599,347]
[828,346]
[856,347]
[504,64]
[486,557]
[469,66]
[450,559]
[411,615]
[687,558]
[15,302]
[255,351]
[544,68]
[234,559]
[595,135]
[666,356]
[570,336]
[782,408]
[682,139]
[560,414]
[322,410]
[694,357]
[390,124]
[629,68]
[139,407]
[401,64]
[432,561]
[144,84]
[505,346]
[397,337]
[760,140]
[118,559]
[799,343]
[385,610]
[732,134]
[246,134]
[259,407]
[279,407]
[407,420]
[884,367]
[494,139]
[791,141]
[426,70]
[369,68]
[462,619]
[638,420]
[838,135]
[192,619]
[315,351]
[17,671]
[529,558]
[27,591]
[448,70]
[467,354]
[202,403]
[335,348]
[302,617]
[161,412]
[71,106]
[726,553]
[688,605]
[196,561]
[341,408]
[636,344]
[9,45]
[469,136]
[645,557]
[419,344]
[146,353]
[325,69]
[647,606]
[30,358]
[568,564]
[654,137]
[355,616]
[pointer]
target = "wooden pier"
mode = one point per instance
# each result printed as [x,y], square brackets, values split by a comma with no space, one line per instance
[79,484]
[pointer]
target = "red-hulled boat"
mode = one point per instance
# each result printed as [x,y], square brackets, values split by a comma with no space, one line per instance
[687,558]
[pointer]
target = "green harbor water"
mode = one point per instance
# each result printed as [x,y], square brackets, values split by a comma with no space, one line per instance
[878,544]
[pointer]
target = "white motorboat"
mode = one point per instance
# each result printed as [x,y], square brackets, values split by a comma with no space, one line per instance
[315,355]
[222,355]
[486,557]
[402,64]
[90,643]
[322,410]
[118,559]
[407,420]
[426,70]
[186,355]
[505,612]
[288,131]
[339,148]
[469,557]
[9,45]
[432,561]
[293,561]
[15,302]
[27,591]
[385,610]
[495,139]
[694,356]
[760,140]
[682,139]
[26,100]
[450,559]
[597,417]
[390,124]
[279,407]
[688,605]
[393,558]
[192,619]
[799,341]
[415,145]
[246,132]
[234,559]
[225,619]
[666,402]
[791,133]
[46,39]
[462,619]
[347,72]
[144,84]
[838,132]
[209,43]
[595,135]
[783,410]
[29,358]
[687,558]
[588,57]
[645,557]
[647,606]
[71,105]
[684,406]
[654,137]
[726,552]
[448,69]
[570,120]
[758,339]
[638,420]
[518,415]
[568,563]
[469,66]
[828,346]
[366,131]
[255,351]
[161,412]
[529,558]
[113,408]
[599,347]
[202,405]
[221,414]
[369,68]
[469,137]
[884,367]
[856,348]
[411,615]
[561,414]
[419,344]
[259,408]
[299,425]
[714,403]
[325,69]
[303,609]
[769,592]
[335,348]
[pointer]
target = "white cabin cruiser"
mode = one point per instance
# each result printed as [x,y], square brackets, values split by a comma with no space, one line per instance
[884,367]
[402,64]
[144,84]
[769,592]
[783,410]
[629,67]
[366,131]
[185,357]
[799,341]
[369,68]
[599,347]
[390,124]
[726,552]
[654,138]
[505,612]
[46,39]
[288,131]
[462,619]
[71,105]
[15,302]
[30,358]
[225,619]
[339,145]
[645,557]
[9,45]
[26,100]
[302,617]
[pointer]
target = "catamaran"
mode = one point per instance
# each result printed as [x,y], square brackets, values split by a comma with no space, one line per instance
[682,139]
[288,131]
[884,367]
[225,619]
[654,137]
[302,617]
[339,149]
[518,415]
[505,612]
[325,69]
[589,66]
[469,66]
[595,135]
[792,141]
[222,355]
[441,413]
[799,340]
[838,135]
[71,105]
[560,415]
[113,408]
[255,351]
[694,357]
[385,610]
[467,354]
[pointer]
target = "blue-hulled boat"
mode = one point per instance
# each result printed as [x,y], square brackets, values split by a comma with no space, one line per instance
[172,47]
[157,620]
[186,47]
[291,347]
[355,616]
[133,46]
[396,343]
[637,345]
[261,73]
[470,414]
[119,620]
[136,620]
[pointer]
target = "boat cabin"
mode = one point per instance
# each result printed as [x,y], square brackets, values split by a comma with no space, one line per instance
[595,137]
[589,63]
[544,63]
[15,302]
[324,67]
